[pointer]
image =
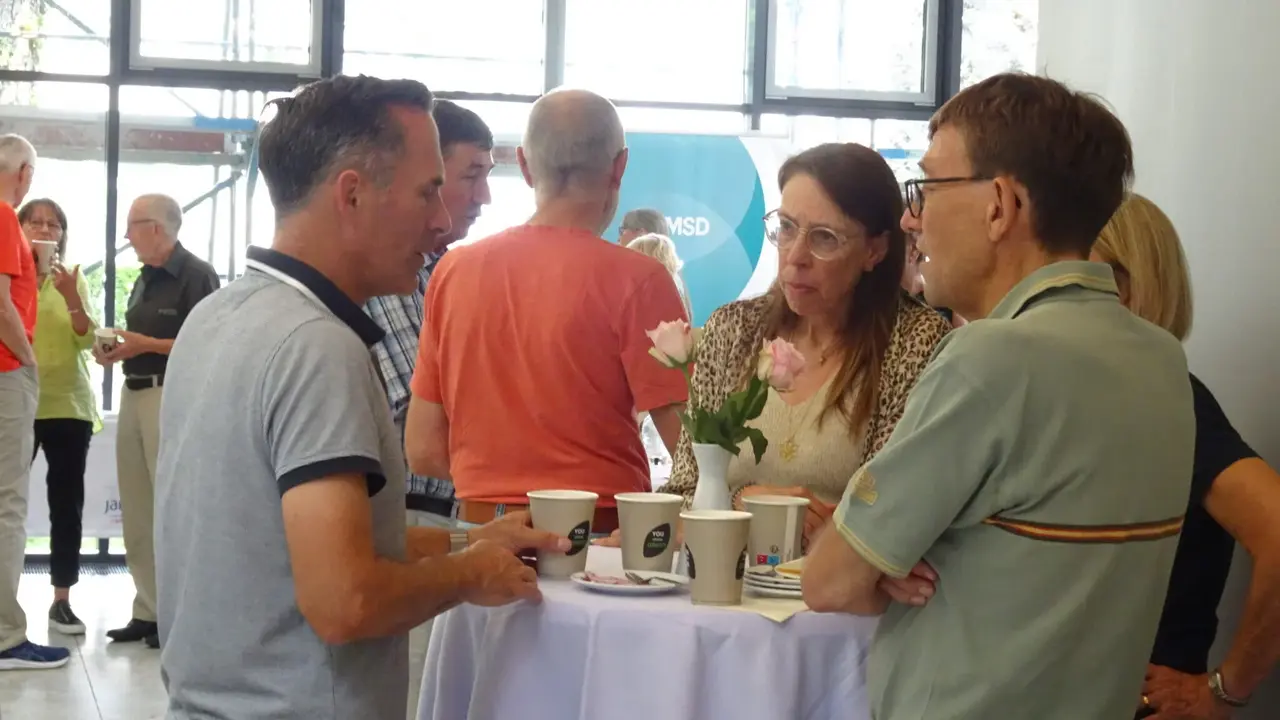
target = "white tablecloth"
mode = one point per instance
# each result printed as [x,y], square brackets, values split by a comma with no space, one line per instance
[585,656]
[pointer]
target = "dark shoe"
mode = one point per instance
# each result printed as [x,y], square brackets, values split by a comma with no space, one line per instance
[153,641]
[29,656]
[63,620]
[135,631]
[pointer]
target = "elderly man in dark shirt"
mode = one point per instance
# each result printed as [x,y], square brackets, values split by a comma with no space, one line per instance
[172,281]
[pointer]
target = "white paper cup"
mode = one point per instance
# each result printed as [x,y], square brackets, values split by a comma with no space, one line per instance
[648,525]
[715,546]
[567,513]
[105,339]
[777,527]
[45,251]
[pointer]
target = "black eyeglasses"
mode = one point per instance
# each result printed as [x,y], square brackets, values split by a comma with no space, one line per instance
[915,189]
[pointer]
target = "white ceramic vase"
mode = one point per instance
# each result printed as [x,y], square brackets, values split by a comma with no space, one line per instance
[712,492]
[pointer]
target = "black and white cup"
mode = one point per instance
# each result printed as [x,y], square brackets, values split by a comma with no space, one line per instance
[715,546]
[567,513]
[648,523]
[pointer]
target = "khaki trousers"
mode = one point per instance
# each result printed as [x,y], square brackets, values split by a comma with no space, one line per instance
[137,444]
[19,394]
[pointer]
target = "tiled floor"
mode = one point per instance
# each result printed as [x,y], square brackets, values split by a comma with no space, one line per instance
[103,681]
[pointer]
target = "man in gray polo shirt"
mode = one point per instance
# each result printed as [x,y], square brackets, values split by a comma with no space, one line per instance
[1043,461]
[287,579]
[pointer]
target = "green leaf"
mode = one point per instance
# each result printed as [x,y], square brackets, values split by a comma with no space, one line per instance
[759,443]
[758,399]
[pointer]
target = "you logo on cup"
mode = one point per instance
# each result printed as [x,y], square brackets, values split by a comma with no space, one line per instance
[647,522]
[567,513]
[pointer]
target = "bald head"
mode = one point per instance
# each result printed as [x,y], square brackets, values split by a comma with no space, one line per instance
[573,142]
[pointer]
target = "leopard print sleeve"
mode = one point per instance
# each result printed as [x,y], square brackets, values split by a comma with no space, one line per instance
[916,335]
[728,341]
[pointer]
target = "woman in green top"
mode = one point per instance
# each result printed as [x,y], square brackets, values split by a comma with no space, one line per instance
[67,415]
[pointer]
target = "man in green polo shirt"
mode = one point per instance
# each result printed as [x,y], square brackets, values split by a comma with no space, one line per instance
[1043,462]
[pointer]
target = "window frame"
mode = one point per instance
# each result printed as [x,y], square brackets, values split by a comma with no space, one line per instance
[312,69]
[928,94]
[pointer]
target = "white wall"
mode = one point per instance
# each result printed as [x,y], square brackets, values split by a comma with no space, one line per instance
[1197,84]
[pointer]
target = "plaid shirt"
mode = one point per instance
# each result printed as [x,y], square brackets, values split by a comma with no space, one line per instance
[397,353]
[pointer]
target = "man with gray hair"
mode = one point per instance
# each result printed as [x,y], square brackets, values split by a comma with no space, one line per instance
[642,221]
[19,394]
[533,358]
[172,281]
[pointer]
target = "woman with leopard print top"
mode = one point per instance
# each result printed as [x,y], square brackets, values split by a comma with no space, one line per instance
[837,299]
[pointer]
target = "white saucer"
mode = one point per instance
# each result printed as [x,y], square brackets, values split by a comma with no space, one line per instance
[771,592]
[663,583]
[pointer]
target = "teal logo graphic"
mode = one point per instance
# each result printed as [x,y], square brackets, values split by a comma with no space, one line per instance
[709,189]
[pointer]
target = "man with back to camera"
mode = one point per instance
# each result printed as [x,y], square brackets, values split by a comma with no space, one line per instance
[1042,464]
[533,359]
[288,581]
[172,281]
[19,397]
[467,145]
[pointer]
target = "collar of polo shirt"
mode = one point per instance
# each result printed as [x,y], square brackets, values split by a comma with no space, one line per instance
[323,288]
[1071,273]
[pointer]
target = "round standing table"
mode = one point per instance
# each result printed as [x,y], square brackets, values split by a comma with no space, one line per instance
[581,655]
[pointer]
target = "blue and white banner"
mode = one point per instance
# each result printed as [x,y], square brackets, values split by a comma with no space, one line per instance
[714,191]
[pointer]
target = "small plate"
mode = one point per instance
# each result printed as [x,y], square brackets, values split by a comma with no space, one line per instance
[662,583]
[762,575]
[771,592]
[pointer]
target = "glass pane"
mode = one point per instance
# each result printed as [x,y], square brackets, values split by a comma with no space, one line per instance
[902,143]
[847,46]
[71,36]
[716,122]
[505,119]
[805,131]
[512,204]
[263,31]
[664,50]
[474,46]
[67,124]
[193,145]
[999,36]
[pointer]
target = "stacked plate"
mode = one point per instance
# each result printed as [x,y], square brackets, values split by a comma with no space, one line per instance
[766,581]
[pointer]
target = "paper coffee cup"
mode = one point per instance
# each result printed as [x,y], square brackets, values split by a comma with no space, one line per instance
[105,339]
[567,513]
[777,527]
[44,251]
[715,547]
[648,525]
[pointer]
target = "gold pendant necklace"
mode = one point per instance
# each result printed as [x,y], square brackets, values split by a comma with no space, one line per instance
[790,449]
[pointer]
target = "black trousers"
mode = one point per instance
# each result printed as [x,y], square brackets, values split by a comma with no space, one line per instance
[66,449]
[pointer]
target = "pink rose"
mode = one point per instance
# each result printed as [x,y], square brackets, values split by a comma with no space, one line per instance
[779,364]
[673,343]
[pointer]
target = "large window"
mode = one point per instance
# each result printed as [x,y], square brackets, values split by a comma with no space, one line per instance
[486,46]
[901,142]
[667,50]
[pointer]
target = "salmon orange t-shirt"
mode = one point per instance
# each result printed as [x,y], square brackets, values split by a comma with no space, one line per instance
[534,342]
[19,264]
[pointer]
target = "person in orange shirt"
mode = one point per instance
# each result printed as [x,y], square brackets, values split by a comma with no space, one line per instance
[533,358]
[19,395]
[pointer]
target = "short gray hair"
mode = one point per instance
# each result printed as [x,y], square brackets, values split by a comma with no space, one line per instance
[15,151]
[167,212]
[572,139]
[646,220]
